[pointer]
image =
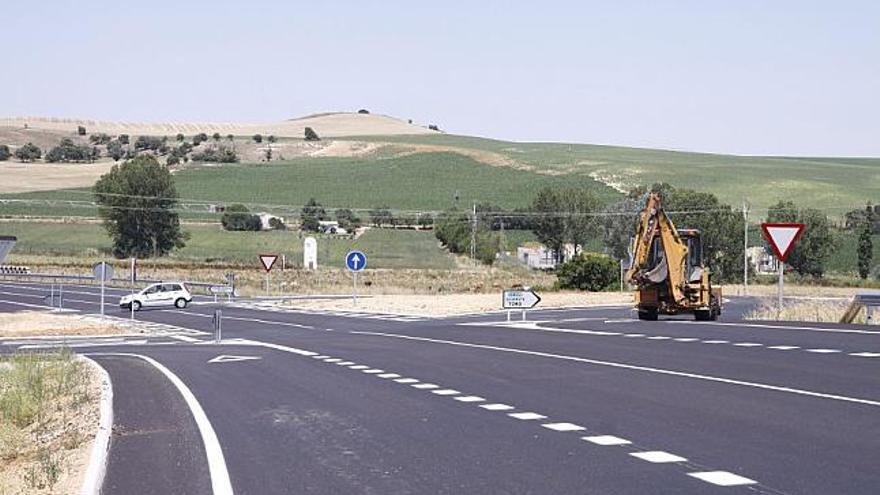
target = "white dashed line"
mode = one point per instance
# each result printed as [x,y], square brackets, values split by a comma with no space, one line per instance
[527,416]
[389,375]
[685,339]
[425,386]
[373,371]
[332,360]
[320,356]
[866,354]
[783,347]
[716,341]
[563,427]
[658,456]
[346,363]
[406,380]
[470,398]
[445,391]
[823,351]
[631,335]
[722,478]
[748,344]
[659,337]
[607,440]
[358,367]
[497,407]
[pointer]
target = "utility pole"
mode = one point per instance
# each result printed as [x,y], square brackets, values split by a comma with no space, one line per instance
[745,247]
[474,237]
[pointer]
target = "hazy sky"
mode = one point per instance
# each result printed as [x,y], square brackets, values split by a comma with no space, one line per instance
[751,77]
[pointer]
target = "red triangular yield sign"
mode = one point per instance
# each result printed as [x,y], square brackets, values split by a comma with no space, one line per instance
[268,260]
[782,237]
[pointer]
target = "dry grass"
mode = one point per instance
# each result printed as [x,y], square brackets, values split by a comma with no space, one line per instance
[812,310]
[27,177]
[48,417]
[31,323]
[791,290]
[453,304]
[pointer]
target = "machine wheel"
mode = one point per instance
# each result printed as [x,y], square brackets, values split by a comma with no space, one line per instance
[180,303]
[136,305]
[705,315]
[648,314]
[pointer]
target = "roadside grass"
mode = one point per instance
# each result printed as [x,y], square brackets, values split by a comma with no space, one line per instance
[41,395]
[817,310]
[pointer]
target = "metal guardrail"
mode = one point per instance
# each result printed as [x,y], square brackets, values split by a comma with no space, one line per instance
[870,300]
[120,283]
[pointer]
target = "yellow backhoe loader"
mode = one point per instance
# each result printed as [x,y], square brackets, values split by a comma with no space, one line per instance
[667,268]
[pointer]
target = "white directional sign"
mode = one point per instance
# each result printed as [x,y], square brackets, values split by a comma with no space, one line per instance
[782,237]
[519,299]
[268,260]
[220,289]
[231,359]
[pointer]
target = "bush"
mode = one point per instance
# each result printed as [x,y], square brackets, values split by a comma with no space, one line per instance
[275,223]
[67,151]
[347,219]
[312,213]
[216,136]
[588,271]
[272,138]
[258,138]
[311,135]
[381,216]
[179,137]
[123,138]
[363,111]
[81,130]
[218,154]
[199,138]
[100,138]
[4,153]
[172,160]
[238,217]
[153,143]
[28,153]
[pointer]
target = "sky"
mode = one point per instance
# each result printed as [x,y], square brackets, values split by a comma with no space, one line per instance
[748,77]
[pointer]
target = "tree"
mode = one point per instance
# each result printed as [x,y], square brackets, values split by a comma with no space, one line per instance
[137,200]
[28,153]
[230,138]
[180,137]
[216,153]
[258,138]
[237,217]
[564,215]
[588,271]
[381,216]
[618,225]
[311,135]
[114,150]
[272,138]
[199,138]
[68,151]
[216,137]
[4,153]
[363,111]
[347,219]
[100,138]
[866,250]
[312,214]
[811,251]
[153,143]
[81,130]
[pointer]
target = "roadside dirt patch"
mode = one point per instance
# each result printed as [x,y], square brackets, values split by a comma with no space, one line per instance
[455,304]
[26,177]
[30,323]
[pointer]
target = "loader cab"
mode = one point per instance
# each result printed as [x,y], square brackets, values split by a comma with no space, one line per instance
[694,243]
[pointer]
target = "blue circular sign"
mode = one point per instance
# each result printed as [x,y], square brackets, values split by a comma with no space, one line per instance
[355,261]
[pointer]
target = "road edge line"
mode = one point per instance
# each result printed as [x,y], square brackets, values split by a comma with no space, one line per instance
[97,468]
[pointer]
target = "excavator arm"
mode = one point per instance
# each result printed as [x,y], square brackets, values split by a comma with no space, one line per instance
[670,268]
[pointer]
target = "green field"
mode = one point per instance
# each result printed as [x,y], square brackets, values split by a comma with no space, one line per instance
[835,185]
[385,248]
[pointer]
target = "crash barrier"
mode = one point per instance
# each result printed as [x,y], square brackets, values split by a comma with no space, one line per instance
[196,287]
[870,300]
[14,270]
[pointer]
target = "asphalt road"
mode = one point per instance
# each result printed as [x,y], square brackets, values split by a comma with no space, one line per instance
[573,401]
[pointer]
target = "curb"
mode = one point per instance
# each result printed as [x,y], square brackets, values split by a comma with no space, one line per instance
[97,468]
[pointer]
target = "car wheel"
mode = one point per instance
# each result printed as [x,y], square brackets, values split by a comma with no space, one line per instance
[180,303]
[136,305]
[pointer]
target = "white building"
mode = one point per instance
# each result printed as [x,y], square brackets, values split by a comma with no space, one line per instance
[539,257]
[763,262]
[331,227]
[266,220]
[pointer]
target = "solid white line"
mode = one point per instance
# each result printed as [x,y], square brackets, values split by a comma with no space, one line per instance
[527,416]
[97,468]
[563,427]
[220,483]
[722,478]
[648,369]
[496,407]
[658,456]
[606,440]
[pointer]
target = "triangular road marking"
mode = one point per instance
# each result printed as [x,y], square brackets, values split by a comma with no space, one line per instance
[231,359]
[782,236]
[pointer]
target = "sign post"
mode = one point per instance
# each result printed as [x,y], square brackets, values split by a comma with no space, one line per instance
[268,261]
[102,272]
[781,237]
[219,290]
[355,261]
[522,299]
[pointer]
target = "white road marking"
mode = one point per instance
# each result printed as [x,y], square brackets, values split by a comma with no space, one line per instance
[497,407]
[97,468]
[716,341]
[722,478]
[866,354]
[659,337]
[633,367]
[658,456]
[232,359]
[332,360]
[185,338]
[780,327]
[607,440]
[631,335]
[406,380]
[220,483]
[373,371]
[389,375]
[425,386]
[748,344]
[783,347]
[823,351]
[527,416]
[686,339]
[345,363]
[470,398]
[358,367]
[446,391]
[563,427]
[320,356]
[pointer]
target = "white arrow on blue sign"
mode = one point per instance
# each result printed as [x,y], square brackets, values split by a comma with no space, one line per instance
[355,261]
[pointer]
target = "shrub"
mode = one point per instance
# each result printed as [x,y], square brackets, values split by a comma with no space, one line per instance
[100,138]
[363,111]
[4,153]
[67,151]
[28,153]
[238,217]
[312,213]
[275,223]
[588,271]
[258,138]
[150,143]
[433,127]
[81,130]
[347,219]
[311,135]
[218,154]
[272,138]
[172,160]
[123,138]
[180,137]
[216,136]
